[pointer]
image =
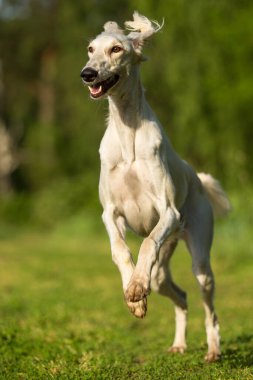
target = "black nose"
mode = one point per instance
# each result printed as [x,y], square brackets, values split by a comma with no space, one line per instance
[88,74]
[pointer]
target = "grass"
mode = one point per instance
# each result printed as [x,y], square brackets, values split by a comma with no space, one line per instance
[62,313]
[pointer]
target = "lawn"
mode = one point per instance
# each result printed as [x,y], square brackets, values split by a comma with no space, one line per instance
[62,313]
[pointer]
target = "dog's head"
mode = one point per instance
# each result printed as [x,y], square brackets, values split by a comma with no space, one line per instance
[112,53]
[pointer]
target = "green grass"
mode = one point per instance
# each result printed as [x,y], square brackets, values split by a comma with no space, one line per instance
[62,313]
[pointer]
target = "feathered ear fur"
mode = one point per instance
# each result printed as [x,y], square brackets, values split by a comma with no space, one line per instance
[112,27]
[141,29]
[143,26]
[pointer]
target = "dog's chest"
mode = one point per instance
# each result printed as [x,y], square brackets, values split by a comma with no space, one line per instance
[127,177]
[132,191]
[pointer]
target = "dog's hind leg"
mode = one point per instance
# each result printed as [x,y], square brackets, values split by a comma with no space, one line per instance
[198,238]
[161,282]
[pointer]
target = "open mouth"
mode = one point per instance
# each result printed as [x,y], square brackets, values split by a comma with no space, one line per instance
[101,88]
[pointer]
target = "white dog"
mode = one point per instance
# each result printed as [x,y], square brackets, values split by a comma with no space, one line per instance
[145,186]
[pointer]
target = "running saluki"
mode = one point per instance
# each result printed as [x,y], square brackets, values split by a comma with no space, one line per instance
[145,186]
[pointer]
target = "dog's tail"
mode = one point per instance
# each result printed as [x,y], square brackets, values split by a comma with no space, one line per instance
[216,195]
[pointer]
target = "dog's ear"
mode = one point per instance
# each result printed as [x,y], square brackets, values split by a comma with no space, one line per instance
[112,27]
[141,29]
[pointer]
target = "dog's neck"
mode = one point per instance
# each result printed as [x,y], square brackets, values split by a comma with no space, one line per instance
[126,105]
[128,111]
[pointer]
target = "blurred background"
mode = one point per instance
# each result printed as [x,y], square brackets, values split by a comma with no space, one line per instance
[199,80]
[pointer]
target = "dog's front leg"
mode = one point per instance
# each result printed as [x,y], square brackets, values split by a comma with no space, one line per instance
[121,256]
[139,286]
[120,252]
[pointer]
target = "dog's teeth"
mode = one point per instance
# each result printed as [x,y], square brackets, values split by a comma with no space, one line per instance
[95,90]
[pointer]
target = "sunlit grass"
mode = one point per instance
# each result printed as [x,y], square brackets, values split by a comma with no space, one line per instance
[63,314]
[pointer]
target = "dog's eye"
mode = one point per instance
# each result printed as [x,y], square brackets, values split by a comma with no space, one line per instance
[90,49]
[116,49]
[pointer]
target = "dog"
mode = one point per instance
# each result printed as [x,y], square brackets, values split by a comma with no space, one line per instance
[145,186]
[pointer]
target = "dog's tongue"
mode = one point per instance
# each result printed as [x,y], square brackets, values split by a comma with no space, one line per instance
[95,90]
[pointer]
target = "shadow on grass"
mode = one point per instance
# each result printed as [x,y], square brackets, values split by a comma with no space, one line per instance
[238,353]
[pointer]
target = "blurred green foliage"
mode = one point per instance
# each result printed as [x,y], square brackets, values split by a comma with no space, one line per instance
[199,80]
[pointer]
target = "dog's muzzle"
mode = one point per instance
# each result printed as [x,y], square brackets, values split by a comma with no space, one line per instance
[97,88]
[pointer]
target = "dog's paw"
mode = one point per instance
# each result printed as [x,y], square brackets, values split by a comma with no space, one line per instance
[212,356]
[177,349]
[136,291]
[139,308]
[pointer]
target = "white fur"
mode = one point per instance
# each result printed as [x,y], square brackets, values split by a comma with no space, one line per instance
[143,25]
[145,186]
